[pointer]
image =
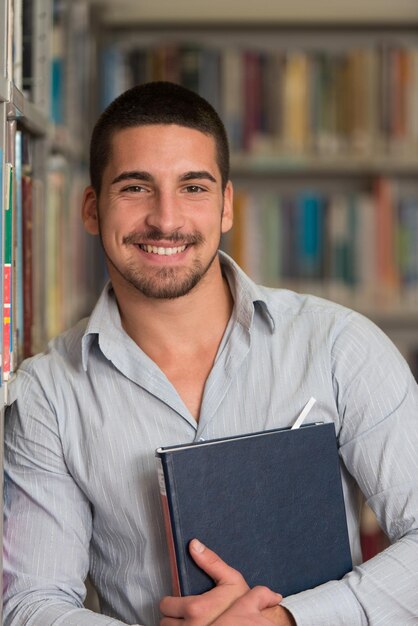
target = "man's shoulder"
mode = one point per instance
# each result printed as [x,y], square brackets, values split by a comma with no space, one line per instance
[284,302]
[61,360]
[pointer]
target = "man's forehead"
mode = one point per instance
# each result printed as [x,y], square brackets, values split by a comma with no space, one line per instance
[160,128]
[125,145]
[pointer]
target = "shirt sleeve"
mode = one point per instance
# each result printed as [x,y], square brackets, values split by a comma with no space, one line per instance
[377,404]
[47,521]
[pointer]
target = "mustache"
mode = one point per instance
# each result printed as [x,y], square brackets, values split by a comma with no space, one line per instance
[154,234]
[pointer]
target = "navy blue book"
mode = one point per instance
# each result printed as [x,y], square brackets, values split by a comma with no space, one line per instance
[270,504]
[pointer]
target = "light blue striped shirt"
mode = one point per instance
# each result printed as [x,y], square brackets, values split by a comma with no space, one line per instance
[81,489]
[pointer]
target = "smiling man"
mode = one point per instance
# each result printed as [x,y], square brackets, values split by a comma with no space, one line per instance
[183,346]
[161,226]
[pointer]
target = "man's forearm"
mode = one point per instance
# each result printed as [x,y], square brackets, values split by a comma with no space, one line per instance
[58,614]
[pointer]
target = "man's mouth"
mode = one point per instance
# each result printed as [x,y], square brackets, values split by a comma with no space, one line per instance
[162,251]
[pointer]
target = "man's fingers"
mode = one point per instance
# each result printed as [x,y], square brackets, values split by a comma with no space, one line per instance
[260,598]
[214,566]
[172,606]
[171,621]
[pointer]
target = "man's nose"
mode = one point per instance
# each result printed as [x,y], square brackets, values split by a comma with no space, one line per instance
[166,214]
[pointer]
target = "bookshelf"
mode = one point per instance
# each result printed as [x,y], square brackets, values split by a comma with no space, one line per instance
[45,117]
[51,272]
[324,131]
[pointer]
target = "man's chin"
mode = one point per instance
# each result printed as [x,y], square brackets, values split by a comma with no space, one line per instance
[167,288]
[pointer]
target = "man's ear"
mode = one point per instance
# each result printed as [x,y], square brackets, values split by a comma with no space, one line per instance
[228,208]
[89,211]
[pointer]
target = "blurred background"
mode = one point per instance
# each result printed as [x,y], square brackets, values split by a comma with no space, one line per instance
[320,101]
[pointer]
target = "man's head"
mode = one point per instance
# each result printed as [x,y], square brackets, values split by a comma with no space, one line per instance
[156,103]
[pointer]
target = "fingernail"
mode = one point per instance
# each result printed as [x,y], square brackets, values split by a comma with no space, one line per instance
[197,546]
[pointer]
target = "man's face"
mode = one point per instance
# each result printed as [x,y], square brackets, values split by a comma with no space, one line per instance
[161,210]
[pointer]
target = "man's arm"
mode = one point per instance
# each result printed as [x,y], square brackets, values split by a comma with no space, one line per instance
[229,599]
[47,523]
[377,429]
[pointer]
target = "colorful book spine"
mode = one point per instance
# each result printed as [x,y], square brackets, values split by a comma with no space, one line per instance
[8,274]
[310,234]
[18,323]
[2,186]
[27,263]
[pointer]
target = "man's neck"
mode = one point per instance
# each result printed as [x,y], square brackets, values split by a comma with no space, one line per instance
[182,335]
[178,325]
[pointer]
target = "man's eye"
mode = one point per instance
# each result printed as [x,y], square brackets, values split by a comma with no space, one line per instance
[134,189]
[194,189]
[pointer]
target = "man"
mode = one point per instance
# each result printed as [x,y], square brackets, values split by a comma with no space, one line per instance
[182,346]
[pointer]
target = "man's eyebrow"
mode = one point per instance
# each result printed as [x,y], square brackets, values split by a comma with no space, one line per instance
[134,175]
[199,175]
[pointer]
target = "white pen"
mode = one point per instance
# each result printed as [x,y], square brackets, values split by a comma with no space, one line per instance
[304,413]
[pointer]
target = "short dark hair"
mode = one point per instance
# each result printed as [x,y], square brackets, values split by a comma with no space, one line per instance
[158,102]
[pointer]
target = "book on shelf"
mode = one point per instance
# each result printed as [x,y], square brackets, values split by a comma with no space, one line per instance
[311,227]
[339,244]
[18,287]
[386,242]
[2,188]
[17,43]
[27,43]
[9,34]
[8,310]
[269,503]
[58,91]
[323,100]
[27,264]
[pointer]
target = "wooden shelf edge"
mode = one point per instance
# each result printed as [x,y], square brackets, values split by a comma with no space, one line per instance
[281,165]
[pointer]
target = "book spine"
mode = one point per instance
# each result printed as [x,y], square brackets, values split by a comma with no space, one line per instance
[7,273]
[18,252]
[175,580]
[27,265]
[2,187]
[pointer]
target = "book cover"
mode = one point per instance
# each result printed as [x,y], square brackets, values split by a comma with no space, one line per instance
[270,504]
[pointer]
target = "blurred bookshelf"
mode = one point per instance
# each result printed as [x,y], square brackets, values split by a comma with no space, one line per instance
[322,115]
[50,280]
[49,267]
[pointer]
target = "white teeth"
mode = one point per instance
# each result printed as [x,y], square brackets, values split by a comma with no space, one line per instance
[162,251]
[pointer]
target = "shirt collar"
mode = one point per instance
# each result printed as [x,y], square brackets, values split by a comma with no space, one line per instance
[105,319]
[249,299]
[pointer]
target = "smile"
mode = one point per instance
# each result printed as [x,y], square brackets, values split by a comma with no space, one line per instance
[162,251]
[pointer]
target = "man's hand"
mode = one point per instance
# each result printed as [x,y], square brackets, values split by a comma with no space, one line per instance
[247,610]
[202,610]
[227,602]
